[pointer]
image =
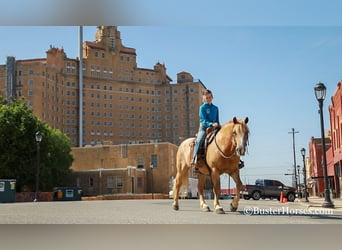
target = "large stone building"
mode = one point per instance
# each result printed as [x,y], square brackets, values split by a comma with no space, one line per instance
[119,101]
[112,111]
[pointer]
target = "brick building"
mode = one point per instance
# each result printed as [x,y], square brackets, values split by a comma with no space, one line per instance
[126,168]
[115,113]
[315,176]
[119,101]
[335,156]
[333,143]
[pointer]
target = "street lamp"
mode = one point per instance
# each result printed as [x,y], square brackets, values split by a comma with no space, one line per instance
[302,151]
[151,166]
[38,140]
[320,92]
[299,189]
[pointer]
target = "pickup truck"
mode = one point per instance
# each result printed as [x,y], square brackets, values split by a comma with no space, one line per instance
[268,189]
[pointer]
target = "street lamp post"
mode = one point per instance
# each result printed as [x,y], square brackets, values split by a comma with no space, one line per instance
[38,137]
[302,151]
[320,92]
[299,189]
[151,166]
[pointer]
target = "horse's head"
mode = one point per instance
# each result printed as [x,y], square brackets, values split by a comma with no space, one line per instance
[240,135]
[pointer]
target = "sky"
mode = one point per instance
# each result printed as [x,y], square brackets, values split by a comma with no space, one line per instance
[263,66]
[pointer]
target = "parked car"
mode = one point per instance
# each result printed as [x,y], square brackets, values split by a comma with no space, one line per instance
[268,189]
[226,196]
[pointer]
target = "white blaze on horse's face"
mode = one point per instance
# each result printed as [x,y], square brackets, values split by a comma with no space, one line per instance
[240,134]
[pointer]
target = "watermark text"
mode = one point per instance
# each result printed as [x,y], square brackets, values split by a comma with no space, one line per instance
[286,211]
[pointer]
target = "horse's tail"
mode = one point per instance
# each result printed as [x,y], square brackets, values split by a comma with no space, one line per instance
[185,181]
[183,160]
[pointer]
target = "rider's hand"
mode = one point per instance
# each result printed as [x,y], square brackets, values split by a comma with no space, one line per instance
[215,124]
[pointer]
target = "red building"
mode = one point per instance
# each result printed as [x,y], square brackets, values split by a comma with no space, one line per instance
[333,141]
[315,181]
[335,156]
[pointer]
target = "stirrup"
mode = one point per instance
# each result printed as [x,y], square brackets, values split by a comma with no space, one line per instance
[241,164]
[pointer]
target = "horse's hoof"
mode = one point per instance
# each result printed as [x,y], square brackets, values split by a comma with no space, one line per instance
[206,209]
[175,207]
[233,209]
[219,211]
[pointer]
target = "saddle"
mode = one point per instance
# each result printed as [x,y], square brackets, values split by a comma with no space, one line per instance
[210,135]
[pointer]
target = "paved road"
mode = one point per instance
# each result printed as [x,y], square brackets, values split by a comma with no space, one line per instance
[161,212]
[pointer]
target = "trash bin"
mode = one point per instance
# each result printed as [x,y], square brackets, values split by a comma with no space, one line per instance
[67,194]
[7,190]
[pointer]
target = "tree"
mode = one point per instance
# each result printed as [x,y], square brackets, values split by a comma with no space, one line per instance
[18,126]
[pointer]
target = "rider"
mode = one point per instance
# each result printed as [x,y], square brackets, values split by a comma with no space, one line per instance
[209,117]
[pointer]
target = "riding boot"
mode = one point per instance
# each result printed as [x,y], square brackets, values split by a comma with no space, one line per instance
[194,166]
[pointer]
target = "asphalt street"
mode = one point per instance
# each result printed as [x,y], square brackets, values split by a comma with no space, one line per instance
[161,212]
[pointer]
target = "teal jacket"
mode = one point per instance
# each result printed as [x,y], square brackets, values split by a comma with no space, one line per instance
[208,114]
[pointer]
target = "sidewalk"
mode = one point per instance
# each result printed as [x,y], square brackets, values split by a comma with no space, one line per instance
[315,201]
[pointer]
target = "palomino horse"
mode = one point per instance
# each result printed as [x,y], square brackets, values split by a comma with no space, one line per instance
[222,156]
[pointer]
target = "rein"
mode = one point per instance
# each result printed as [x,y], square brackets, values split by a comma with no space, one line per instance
[221,152]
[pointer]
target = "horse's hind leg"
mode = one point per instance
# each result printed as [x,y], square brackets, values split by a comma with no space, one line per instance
[235,203]
[176,187]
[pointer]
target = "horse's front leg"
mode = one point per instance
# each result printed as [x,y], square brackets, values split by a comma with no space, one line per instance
[215,177]
[235,203]
[200,190]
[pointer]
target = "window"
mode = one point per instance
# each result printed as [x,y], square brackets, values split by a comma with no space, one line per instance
[110,73]
[98,72]
[105,72]
[154,160]
[73,68]
[68,67]
[140,182]
[140,162]
[124,151]
[91,181]
[92,70]
[119,182]
[112,42]
[110,182]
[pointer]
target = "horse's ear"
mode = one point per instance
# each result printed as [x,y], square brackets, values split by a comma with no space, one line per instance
[246,120]
[235,120]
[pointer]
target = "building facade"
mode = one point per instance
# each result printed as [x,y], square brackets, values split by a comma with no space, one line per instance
[333,152]
[335,163]
[315,180]
[110,99]
[127,168]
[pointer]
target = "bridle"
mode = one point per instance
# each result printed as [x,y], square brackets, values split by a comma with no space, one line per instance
[235,144]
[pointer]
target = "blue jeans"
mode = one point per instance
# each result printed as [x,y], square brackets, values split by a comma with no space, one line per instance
[199,141]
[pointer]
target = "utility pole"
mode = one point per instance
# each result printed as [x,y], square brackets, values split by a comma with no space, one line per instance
[293,132]
[80,88]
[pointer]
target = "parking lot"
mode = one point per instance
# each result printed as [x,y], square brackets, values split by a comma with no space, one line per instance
[161,212]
